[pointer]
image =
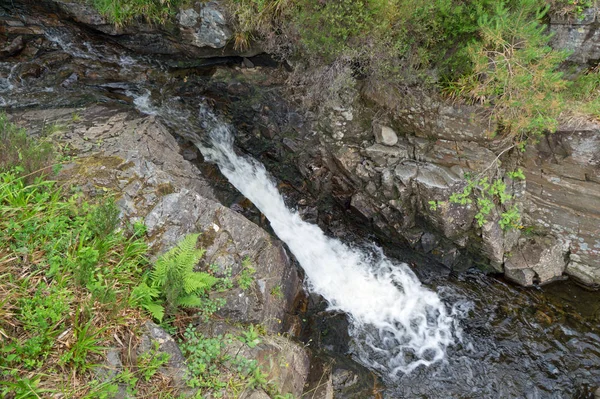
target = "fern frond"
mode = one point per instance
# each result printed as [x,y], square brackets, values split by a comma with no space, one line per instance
[189,301]
[157,311]
[143,294]
[198,282]
[178,261]
[186,255]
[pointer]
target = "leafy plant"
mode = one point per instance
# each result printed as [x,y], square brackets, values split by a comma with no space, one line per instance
[173,283]
[17,149]
[250,336]
[246,276]
[205,358]
[487,197]
[149,362]
[277,292]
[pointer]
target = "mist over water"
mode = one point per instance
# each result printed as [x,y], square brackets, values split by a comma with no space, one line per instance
[396,324]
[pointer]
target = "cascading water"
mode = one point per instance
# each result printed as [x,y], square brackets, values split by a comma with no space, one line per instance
[518,343]
[396,323]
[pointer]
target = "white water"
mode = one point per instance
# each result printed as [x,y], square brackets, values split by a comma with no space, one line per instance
[396,323]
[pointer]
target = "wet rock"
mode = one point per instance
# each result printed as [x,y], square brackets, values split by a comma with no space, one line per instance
[385,135]
[324,390]
[429,242]
[200,31]
[562,194]
[361,204]
[14,47]
[583,273]
[247,63]
[343,379]
[536,260]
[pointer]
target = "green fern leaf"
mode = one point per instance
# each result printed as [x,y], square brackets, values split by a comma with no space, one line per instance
[189,301]
[143,294]
[197,282]
[157,311]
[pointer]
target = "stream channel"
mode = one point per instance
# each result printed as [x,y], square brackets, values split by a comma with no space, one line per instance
[461,335]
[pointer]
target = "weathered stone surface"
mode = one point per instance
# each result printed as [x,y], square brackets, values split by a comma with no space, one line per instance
[563,197]
[424,115]
[256,394]
[156,339]
[284,361]
[536,260]
[136,157]
[385,135]
[200,31]
[583,273]
[387,156]
[139,159]
[206,28]
[579,35]
[468,155]
[14,47]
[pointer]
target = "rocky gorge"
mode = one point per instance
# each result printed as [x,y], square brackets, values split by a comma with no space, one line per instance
[377,161]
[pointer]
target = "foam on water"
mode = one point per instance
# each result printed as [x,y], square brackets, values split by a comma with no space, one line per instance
[396,323]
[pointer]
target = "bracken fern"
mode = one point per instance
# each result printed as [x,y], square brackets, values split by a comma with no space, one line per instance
[173,283]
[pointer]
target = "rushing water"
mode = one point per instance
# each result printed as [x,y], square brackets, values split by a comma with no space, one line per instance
[397,324]
[480,337]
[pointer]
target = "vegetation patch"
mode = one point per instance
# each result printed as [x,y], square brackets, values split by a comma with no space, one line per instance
[121,12]
[74,286]
[494,53]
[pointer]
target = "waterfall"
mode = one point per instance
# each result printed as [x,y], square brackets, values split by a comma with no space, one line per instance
[396,323]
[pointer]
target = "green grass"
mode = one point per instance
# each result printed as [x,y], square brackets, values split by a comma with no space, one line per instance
[64,271]
[70,278]
[121,12]
[17,149]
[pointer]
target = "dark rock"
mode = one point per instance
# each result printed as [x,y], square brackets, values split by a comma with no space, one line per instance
[343,379]
[536,260]
[16,46]
[429,242]
[247,63]
[579,35]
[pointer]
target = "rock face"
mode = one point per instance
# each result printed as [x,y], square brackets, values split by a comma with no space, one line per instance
[401,191]
[199,30]
[137,158]
[578,34]
[534,261]
[563,195]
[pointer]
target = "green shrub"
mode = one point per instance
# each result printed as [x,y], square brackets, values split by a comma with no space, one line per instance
[515,71]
